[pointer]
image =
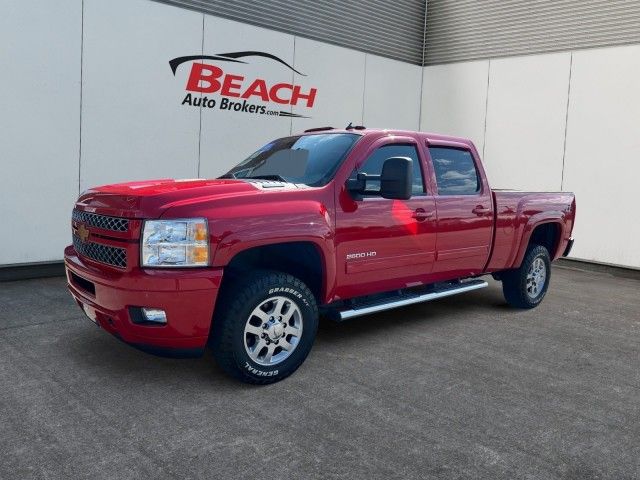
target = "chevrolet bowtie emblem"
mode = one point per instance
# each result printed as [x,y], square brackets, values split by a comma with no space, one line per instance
[82,232]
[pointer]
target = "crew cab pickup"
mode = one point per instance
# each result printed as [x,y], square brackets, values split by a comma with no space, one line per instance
[338,223]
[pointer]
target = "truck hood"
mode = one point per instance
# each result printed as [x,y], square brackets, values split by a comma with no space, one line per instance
[149,199]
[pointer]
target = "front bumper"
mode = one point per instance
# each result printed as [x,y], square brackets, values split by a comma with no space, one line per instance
[186,295]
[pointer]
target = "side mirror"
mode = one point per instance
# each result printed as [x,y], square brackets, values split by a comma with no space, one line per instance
[396,180]
[357,184]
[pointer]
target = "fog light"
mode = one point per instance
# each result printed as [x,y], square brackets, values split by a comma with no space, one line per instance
[154,315]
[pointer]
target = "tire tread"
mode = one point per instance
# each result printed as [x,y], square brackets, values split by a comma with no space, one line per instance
[514,281]
[233,297]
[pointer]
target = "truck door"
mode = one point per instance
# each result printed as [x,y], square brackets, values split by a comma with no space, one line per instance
[384,244]
[465,210]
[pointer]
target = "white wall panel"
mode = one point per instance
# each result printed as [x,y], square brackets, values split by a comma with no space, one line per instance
[454,100]
[338,74]
[133,125]
[526,115]
[228,136]
[391,94]
[603,146]
[39,126]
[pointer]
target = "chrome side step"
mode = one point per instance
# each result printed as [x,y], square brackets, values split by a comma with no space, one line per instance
[389,304]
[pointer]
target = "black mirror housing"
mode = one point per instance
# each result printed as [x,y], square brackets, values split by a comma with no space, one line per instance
[396,180]
[357,184]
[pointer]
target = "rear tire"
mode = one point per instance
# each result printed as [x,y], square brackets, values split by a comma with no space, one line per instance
[264,327]
[525,287]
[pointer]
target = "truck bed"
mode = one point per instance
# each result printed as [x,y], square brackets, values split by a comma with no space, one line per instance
[516,216]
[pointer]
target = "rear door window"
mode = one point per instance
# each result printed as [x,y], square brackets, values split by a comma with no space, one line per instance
[455,170]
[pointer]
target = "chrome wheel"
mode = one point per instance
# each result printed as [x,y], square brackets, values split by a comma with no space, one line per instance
[273,330]
[536,277]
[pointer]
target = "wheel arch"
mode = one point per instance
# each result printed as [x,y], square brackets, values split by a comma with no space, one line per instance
[305,259]
[546,232]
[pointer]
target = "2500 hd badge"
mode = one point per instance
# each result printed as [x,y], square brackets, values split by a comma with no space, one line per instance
[351,256]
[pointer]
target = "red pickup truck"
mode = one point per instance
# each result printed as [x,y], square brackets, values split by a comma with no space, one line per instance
[334,222]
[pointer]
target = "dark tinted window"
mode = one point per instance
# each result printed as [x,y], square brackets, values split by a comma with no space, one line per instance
[456,172]
[373,165]
[308,159]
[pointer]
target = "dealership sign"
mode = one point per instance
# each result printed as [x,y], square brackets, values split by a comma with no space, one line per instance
[209,86]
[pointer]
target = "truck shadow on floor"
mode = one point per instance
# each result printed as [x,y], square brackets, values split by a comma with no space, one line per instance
[107,356]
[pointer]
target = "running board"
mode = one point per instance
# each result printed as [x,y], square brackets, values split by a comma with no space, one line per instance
[410,299]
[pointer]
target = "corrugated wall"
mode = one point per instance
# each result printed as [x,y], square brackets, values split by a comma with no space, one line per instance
[394,30]
[459,30]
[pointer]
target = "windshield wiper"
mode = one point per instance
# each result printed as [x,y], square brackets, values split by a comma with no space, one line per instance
[268,177]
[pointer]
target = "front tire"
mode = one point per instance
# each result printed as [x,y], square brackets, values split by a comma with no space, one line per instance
[525,287]
[264,327]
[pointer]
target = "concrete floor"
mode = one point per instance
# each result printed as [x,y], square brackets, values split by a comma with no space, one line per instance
[460,388]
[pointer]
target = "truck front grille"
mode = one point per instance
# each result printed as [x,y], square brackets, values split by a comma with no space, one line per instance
[114,256]
[115,224]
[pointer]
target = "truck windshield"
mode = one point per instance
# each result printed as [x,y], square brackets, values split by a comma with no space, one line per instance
[308,159]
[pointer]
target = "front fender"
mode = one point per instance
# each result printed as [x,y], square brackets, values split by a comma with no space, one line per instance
[310,222]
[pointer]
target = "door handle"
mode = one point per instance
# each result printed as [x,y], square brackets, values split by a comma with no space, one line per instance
[421,215]
[480,210]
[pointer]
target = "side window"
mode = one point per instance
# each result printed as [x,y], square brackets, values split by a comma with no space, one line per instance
[455,170]
[373,165]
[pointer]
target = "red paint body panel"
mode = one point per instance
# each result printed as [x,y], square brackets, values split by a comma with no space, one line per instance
[367,245]
[187,296]
[405,247]
[518,213]
[464,236]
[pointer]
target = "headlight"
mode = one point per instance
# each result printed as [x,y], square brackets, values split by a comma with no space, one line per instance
[175,243]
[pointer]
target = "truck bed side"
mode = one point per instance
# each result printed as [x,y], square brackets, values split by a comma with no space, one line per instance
[518,214]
